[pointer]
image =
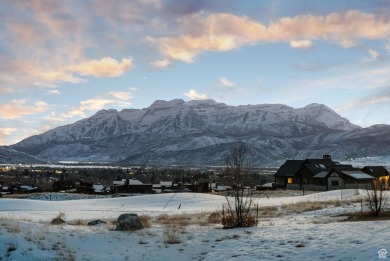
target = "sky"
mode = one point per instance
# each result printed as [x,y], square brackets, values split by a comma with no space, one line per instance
[62,61]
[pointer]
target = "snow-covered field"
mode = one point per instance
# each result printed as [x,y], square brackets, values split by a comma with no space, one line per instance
[282,233]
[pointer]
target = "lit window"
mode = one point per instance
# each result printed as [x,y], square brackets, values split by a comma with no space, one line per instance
[289,180]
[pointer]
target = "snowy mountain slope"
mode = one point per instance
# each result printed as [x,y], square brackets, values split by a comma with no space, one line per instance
[8,155]
[200,132]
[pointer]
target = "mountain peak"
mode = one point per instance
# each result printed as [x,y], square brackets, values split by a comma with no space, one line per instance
[164,103]
[203,102]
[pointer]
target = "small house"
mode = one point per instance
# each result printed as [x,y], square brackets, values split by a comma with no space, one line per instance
[326,174]
[131,186]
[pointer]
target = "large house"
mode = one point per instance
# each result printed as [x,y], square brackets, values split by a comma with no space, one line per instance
[326,174]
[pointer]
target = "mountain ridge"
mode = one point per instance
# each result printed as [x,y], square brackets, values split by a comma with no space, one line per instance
[169,132]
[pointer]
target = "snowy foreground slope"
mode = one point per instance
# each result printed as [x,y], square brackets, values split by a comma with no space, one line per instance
[25,232]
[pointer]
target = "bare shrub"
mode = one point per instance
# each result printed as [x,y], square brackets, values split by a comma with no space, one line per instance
[376,199]
[59,219]
[230,221]
[238,207]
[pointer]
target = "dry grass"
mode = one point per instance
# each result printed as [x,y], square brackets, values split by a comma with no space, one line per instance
[10,224]
[215,218]
[145,220]
[179,220]
[78,222]
[305,206]
[183,220]
[171,235]
[269,211]
[366,216]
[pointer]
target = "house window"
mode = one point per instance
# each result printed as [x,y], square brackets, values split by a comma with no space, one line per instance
[335,183]
[289,180]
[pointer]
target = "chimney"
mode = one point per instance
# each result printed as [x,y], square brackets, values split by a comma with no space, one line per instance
[326,156]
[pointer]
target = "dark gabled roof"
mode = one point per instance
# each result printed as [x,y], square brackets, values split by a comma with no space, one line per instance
[353,173]
[316,166]
[321,163]
[289,168]
[338,168]
[376,171]
[358,175]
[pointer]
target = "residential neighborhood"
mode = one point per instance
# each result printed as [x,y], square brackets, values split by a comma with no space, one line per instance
[316,174]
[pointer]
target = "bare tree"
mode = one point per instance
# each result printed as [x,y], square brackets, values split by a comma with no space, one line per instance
[376,198]
[240,201]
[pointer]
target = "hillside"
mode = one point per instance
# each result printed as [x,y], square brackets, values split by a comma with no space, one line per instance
[201,132]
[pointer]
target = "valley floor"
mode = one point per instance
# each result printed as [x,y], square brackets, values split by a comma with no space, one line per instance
[310,227]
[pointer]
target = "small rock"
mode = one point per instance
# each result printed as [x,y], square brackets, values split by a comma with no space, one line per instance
[96,222]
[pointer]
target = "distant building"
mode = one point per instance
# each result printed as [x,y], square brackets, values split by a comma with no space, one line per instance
[326,174]
[131,186]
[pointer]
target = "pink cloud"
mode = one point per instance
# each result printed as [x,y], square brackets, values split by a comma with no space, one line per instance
[224,32]
[19,108]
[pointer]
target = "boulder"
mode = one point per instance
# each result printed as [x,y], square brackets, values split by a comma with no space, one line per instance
[96,222]
[128,222]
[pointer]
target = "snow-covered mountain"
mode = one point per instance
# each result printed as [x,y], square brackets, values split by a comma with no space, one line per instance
[11,156]
[200,132]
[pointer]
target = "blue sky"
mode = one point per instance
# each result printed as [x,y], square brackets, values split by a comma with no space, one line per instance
[61,61]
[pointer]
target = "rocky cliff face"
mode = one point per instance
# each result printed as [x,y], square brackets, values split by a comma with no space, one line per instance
[200,133]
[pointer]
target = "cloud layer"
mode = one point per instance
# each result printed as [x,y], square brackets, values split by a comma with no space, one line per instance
[223,32]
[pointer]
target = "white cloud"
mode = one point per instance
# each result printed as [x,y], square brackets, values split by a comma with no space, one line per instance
[193,95]
[161,63]
[303,44]
[225,82]
[374,55]
[18,108]
[223,32]
[122,95]
[55,92]
[7,131]
[105,67]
